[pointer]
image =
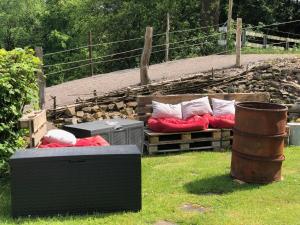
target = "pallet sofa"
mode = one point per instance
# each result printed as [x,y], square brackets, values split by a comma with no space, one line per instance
[210,139]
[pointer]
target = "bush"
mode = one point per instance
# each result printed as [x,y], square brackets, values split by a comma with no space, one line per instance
[18,87]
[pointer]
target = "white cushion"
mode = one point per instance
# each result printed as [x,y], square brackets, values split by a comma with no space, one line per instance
[60,137]
[222,107]
[198,106]
[162,110]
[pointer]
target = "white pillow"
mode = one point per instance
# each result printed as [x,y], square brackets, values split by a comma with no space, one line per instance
[198,106]
[161,110]
[222,107]
[60,137]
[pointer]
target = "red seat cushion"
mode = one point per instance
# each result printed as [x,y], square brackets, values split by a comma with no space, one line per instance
[222,121]
[169,125]
[89,141]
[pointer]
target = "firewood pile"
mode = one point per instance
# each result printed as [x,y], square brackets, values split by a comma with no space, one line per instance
[281,78]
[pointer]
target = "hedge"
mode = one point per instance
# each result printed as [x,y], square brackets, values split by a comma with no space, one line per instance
[18,87]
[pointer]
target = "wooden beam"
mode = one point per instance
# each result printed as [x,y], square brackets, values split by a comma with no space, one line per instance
[167,38]
[90,46]
[229,17]
[41,78]
[238,41]
[145,59]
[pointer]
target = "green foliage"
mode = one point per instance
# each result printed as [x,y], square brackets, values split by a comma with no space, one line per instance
[18,86]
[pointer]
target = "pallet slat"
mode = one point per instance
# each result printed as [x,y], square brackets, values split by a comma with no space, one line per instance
[182,137]
[38,135]
[202,145]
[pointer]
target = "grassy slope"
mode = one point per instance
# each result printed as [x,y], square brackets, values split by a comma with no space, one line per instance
[200,178]
[248,50]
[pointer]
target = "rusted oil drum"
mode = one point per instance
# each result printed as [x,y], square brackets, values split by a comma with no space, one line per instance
[258,142]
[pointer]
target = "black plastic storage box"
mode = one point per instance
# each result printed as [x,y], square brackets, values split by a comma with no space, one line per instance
[75,180]
[115,131]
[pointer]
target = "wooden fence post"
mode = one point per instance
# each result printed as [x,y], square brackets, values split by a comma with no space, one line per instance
[244,37]
[41,78]
[287,44]
[265,41]
[167,38]
[91,52]
[238,41]
[144,76]
[229,17]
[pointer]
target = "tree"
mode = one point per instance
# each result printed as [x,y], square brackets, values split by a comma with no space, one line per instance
[20,23]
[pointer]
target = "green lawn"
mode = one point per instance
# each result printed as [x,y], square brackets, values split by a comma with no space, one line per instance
[201,178]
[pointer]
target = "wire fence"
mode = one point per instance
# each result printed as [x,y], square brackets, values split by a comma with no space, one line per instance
[206,40]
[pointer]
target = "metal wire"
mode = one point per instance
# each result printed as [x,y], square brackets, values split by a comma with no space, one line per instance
[132,39]
[86,46]
[114,54]
[273,24]
[97,62]
[85,60]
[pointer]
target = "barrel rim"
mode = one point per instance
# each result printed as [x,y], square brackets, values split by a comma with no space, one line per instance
[281,108]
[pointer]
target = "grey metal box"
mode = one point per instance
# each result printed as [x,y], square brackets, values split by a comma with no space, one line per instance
[115,131]
[76,180]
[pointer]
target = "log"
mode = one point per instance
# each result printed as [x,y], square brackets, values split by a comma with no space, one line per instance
[144,76]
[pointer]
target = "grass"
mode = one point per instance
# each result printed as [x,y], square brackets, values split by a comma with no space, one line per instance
[201,178]
[249,50]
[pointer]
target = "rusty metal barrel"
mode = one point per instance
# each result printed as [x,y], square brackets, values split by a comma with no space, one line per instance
[258,142]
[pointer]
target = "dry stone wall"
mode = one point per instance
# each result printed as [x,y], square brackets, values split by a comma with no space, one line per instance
[281,78]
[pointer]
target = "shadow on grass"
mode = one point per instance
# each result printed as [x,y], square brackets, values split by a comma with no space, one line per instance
[220,184]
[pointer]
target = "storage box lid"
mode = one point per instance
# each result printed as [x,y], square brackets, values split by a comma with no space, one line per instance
[69,153]
[106,125]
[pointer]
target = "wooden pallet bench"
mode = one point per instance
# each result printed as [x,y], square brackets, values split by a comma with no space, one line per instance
[214,139]
[36,122]
[182,141]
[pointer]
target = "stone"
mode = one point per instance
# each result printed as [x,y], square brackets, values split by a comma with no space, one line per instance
[239,181]
[266,76]
[70,111]
[103,107]
[98,115]
[242,87]
[296,71]
[95,109]
[87,117]
[131,104]
[188,207]
[274,84]
[272,89]
[298,77]
[127,111]
[79,114]
[263,66]
[71,121]
[120,105]
[111,107]
[87,109]
[106,116]
[58,120]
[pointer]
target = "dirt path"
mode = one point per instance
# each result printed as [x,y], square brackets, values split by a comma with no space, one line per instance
[66,93]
